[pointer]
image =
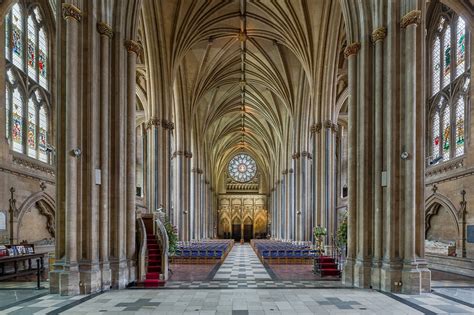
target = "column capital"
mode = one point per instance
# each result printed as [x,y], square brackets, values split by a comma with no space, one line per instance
[197,171]
[166,124]
[316,128]
[284,172]
[133,47]
[152,122]
[105,29]
[306,154]
[351,49]
[70,11]
[296,155]
[379,34]
[328,124]
[412,17]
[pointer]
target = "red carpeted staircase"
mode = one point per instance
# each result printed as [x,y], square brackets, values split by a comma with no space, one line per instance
[153,263]
[327,266]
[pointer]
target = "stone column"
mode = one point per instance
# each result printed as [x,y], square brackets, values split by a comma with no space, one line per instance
[154,160]
[351,54]
[377,38]
[327,179]
[196,192]
[410,274]
[65,277]
[106,34]
[134,49]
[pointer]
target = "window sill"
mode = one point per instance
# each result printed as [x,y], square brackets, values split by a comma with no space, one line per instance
[445,167]
[26,161]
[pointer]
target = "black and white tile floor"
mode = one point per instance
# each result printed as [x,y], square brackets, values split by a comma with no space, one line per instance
[242,264]
[242,285]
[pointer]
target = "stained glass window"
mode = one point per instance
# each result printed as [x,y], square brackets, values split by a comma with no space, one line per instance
[436,136]
[31,137]
[460,114]
[42,59]
[26,51]
[17,36]
[450,84]
[460,46]
[31,60]
[447,57]
[43,128]
[436,66]
[17,121]
[446,133]
[242,168]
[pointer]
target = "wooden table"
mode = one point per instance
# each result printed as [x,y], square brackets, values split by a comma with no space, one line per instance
[20,272]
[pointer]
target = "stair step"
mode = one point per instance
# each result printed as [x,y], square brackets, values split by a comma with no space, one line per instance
[154,269]
[153,275]
[330,272]
[154,283]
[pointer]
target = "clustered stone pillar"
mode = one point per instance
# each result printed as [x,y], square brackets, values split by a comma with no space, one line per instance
[410,275]
[133,50]
[182,209]
[95,218]
[377,38]
[351,55]
[65,277]
[384,155]
[106,34]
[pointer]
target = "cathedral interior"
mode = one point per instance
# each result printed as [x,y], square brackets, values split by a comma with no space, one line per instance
[242,145]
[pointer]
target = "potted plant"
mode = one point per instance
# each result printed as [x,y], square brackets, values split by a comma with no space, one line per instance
[318,233]
[341,234]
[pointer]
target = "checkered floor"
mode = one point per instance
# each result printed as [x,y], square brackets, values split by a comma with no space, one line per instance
[255,284]
[242,264]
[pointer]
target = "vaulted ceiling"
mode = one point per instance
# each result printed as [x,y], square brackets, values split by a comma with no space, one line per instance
[241,76]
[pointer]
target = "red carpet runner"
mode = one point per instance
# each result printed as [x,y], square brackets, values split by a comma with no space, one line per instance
[153,263]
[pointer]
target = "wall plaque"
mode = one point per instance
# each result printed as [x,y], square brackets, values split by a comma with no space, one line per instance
[470,233]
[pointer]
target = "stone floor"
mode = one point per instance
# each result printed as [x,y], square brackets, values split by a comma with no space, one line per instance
[242,285]
[242,264]
[241,301]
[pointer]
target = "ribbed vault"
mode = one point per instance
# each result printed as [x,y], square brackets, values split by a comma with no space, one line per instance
[240,76]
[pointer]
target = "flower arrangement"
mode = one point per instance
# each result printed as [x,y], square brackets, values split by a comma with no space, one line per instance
[319,231]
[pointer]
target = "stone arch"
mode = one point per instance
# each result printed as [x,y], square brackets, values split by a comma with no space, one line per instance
[433,204]
[46,207]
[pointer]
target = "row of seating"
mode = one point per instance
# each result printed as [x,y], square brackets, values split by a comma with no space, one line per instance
[279,252]
[202,251]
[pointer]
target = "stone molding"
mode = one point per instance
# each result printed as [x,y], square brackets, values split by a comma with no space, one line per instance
[133,47]
[70,11]
[351,49]
[23,162]
[444,167]
[26,174]
[105,29]
[379,34]
[412,17]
